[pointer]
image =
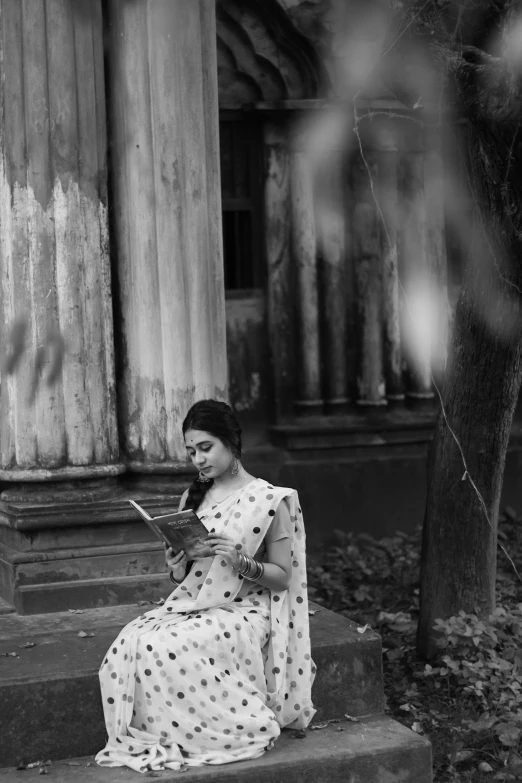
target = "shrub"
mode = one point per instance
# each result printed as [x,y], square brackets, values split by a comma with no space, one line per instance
[483,660]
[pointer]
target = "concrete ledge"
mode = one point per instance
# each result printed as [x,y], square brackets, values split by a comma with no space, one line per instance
[50,693]
[376,750]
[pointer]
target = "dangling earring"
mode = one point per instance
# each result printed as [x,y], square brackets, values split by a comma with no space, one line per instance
[234,470]
[203,479]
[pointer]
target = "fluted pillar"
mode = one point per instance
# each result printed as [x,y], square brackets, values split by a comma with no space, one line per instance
[387,161]
[167,203]
[367,228]
[277,228]
[415,263]
[330,213]
[304,246]
[436,251]
[54,271]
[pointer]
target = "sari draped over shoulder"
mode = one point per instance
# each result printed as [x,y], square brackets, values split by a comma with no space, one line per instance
[212,676]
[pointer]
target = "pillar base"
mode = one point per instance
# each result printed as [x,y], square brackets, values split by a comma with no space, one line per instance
[75,546]
[309,407]
[338,407]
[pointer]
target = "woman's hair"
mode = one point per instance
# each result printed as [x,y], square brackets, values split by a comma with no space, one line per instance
[218,420]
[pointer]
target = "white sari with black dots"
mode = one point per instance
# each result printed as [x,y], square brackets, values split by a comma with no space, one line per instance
[211,677]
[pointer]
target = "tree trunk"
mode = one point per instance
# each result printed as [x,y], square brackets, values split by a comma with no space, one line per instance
[484,373]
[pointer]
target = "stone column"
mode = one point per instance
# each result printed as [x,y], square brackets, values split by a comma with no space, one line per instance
[387,162]
[55,275]
[167,205]
[331,236]
[304,245]
[280,301]
[414,262]
[367,228]
[436,251]
[55,280]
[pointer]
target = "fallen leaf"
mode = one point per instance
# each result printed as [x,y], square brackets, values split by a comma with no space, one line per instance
[351,717]
[160,602]
[34,764]
[464,755]
[83,634]
[27,645]
[340,728]
[417,727]
[364,628]
[311,612]
[10,655]
[75,611]
[318,726]
[485,767]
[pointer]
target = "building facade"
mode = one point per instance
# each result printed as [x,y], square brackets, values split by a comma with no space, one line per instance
[184,209]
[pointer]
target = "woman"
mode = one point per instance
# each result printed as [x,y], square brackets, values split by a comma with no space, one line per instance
[213,675]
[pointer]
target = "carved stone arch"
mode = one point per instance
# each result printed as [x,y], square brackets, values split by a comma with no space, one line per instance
[262,56]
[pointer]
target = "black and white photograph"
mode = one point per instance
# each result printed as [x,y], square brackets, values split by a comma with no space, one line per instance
[260,391]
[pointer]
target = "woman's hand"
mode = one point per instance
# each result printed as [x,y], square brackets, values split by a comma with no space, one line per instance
[176,563]
[225,547]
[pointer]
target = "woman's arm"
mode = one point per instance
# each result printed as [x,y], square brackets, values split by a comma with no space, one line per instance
[278,565]
[278,561]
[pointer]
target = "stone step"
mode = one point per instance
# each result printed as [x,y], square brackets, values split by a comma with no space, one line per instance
[5,608]
[82,548]
[88,593]
[50,693]
[375,750]
[38,582]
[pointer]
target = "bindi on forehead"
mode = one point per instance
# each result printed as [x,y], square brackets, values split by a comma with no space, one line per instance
[195,438]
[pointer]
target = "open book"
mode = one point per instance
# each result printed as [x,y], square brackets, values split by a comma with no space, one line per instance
[181,530]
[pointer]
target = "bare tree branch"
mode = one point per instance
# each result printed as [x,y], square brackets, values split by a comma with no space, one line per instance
[481,82]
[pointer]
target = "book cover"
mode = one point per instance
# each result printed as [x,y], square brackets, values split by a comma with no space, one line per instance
[180,530]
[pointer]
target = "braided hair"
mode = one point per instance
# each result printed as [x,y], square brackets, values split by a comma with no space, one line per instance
[218,420]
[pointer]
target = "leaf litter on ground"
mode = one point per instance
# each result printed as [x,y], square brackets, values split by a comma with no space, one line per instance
[378,585]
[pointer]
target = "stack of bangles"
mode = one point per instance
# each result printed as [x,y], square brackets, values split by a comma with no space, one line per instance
[249,568]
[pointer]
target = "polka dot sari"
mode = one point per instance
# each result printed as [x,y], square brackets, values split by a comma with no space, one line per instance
[211,677]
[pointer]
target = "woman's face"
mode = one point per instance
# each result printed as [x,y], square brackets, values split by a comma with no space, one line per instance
[208,453]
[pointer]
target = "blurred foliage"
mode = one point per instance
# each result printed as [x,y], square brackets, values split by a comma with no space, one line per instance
[468,702]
